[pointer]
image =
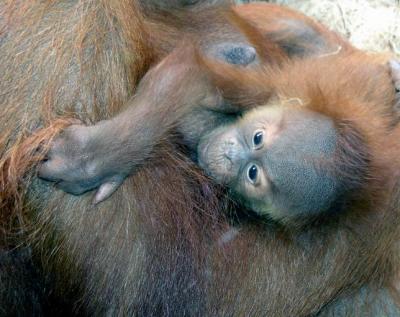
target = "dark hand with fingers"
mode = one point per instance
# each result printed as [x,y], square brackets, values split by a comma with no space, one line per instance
[76,163]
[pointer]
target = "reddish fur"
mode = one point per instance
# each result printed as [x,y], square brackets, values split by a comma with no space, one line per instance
[154,246]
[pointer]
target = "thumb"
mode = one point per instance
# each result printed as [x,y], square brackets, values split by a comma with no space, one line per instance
[106,190]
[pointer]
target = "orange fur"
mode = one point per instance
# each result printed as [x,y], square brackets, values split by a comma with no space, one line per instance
[161,245]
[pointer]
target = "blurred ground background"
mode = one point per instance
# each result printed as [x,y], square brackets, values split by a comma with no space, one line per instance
[372,25]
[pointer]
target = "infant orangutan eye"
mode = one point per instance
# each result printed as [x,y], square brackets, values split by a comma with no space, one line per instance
[258,138]
[252,174]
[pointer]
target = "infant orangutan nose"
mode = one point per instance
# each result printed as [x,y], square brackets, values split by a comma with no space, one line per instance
[220,154]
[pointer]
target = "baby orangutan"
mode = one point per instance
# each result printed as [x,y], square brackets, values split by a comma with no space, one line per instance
[301,152]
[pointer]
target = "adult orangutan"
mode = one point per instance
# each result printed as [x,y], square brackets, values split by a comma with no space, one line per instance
[161,244]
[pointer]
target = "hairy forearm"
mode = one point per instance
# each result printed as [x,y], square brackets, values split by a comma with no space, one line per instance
[167,93]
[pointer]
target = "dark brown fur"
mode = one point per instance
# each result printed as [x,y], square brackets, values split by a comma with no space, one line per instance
[155,247]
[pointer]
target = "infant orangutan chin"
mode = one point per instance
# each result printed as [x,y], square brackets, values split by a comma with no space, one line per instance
[303,150]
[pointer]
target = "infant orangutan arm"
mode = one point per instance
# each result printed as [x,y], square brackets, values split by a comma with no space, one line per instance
[83,158]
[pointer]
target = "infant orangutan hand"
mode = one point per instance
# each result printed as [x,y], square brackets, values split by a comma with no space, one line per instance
[77,162]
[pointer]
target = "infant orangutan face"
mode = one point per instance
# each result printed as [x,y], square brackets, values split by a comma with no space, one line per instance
[277,160]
